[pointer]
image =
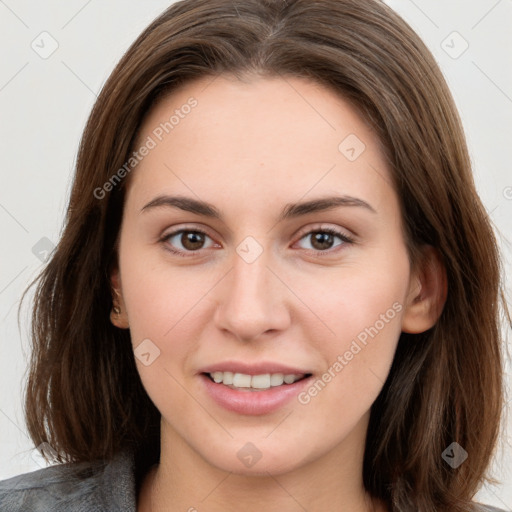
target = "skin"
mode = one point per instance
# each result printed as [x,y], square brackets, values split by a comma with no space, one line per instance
[249,148]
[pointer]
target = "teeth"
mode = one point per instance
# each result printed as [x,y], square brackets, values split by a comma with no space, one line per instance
[260,381]
[264,381]
[289,379]
[241,381]
[276,379]
[228,378]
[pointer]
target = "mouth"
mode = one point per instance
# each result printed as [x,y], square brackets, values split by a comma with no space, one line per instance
[253,387]
[255,383]
[253,395]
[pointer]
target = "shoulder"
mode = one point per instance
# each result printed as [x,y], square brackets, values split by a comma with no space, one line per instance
[93,486]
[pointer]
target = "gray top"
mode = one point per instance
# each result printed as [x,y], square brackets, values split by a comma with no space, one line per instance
[84,487]
[73,487]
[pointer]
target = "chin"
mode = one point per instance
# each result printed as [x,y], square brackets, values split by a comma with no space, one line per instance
[256,459]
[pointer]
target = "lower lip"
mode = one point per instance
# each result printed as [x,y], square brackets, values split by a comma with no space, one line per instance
[253,402]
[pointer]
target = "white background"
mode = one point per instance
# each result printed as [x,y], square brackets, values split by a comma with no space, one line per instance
[44,104]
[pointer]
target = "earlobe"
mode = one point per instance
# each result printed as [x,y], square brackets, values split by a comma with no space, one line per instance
[427,293]
[118,314]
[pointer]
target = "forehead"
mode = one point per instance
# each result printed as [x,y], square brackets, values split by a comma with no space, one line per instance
[261,138]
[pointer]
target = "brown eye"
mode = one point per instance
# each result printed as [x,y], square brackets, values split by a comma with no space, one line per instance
[183,241]
[192,240]
[322,240]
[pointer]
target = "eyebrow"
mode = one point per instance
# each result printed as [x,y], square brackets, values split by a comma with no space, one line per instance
[291,210]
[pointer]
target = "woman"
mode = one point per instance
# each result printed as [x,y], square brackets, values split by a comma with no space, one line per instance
[277,287]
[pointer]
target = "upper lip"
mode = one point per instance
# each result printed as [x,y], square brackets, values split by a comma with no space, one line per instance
[260,368]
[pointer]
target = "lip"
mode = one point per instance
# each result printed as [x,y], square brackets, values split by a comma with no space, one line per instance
[253,369]
[253,403]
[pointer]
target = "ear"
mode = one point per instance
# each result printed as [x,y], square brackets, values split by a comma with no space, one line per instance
[427,293]
[118,315]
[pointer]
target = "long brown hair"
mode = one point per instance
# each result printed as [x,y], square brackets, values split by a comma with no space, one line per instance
[84,396]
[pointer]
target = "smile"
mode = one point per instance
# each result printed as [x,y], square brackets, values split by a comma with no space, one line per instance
[254,382]
[248,400]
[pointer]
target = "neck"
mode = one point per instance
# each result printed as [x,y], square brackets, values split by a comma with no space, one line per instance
[185,481]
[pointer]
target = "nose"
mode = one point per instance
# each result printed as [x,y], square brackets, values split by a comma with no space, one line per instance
[252,300]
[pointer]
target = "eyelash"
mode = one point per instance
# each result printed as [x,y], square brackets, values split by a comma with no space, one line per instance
[187,254]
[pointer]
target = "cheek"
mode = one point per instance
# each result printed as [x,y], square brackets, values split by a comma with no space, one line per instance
[349,300]
[160,296]
[167,309]
[357,364]
[362,315]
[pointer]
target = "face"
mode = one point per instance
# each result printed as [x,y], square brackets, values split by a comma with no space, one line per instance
[255,284]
